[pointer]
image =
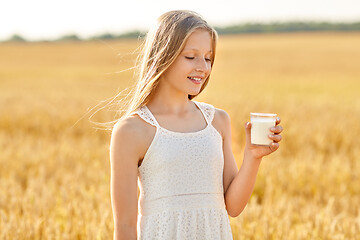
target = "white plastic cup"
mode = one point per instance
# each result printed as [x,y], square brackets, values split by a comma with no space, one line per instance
[260,129]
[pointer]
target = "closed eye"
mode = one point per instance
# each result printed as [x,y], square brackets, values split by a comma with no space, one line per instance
[207,59]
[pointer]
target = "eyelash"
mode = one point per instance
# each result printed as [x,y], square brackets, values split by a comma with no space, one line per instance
[207,59]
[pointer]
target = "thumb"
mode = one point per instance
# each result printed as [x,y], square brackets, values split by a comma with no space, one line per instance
[248,132]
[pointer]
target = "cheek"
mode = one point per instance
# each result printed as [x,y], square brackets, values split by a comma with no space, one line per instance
[181,68]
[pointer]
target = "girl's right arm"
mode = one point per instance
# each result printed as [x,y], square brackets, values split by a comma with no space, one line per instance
[124,156]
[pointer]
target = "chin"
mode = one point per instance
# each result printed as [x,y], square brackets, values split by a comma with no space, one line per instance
[194,92]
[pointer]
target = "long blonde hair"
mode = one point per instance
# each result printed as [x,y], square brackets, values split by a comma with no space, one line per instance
[164,42]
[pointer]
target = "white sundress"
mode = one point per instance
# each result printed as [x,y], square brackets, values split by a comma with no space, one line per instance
[181,183]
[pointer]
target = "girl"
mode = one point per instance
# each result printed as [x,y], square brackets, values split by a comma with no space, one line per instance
[178,149]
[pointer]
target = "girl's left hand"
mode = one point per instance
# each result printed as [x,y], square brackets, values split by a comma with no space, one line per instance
[256,151]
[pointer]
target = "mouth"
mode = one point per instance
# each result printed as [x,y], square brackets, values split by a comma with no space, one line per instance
[195,80]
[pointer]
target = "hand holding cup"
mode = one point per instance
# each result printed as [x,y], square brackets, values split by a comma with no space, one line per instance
[262,134]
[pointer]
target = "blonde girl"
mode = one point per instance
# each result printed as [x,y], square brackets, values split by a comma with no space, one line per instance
[178,150]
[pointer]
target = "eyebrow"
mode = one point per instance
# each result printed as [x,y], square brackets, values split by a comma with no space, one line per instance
[194,49]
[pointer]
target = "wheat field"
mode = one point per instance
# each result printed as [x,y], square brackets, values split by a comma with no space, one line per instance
[54,163]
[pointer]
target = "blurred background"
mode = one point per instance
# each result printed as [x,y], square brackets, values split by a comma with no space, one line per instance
[62,62]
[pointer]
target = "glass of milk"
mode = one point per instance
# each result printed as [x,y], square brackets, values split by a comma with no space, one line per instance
[260,129]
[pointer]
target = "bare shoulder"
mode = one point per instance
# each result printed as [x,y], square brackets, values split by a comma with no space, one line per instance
[129,126]
[221,121]
[221,114]
[133,134]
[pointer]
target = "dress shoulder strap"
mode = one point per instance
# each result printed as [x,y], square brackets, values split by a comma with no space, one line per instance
[146,115]
[208,110]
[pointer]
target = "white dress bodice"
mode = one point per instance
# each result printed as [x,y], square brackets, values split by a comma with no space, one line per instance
[181,183]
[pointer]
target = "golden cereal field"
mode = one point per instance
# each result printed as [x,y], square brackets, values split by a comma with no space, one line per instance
[54,163]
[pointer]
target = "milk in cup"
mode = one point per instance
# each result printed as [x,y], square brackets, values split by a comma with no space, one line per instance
[260,129]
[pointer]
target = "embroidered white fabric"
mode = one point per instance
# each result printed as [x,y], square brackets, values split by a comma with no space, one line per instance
[181,183]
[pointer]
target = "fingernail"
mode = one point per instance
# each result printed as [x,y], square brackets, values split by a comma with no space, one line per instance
[272,129]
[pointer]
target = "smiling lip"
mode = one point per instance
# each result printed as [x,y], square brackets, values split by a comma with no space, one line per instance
[196,81]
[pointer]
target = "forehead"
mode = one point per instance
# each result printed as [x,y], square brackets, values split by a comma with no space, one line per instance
[199,40]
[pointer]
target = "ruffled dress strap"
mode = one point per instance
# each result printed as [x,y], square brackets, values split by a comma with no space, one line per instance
[207,109]
[147,116]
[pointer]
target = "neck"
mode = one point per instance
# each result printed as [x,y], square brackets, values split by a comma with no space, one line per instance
[165,101]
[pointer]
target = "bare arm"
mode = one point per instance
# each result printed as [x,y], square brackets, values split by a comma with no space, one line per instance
[124,162]
[241,187]
[239,184]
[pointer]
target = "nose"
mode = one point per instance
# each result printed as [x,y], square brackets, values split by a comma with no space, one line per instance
[202,65]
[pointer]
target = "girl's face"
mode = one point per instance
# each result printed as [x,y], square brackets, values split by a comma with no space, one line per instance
[190,69]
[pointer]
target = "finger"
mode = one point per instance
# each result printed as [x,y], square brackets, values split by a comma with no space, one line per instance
[276,138]
[274,146]
[248,132]
[278,120]
[277,129]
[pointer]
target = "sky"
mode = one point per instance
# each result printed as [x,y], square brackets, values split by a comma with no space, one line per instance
[51,19]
